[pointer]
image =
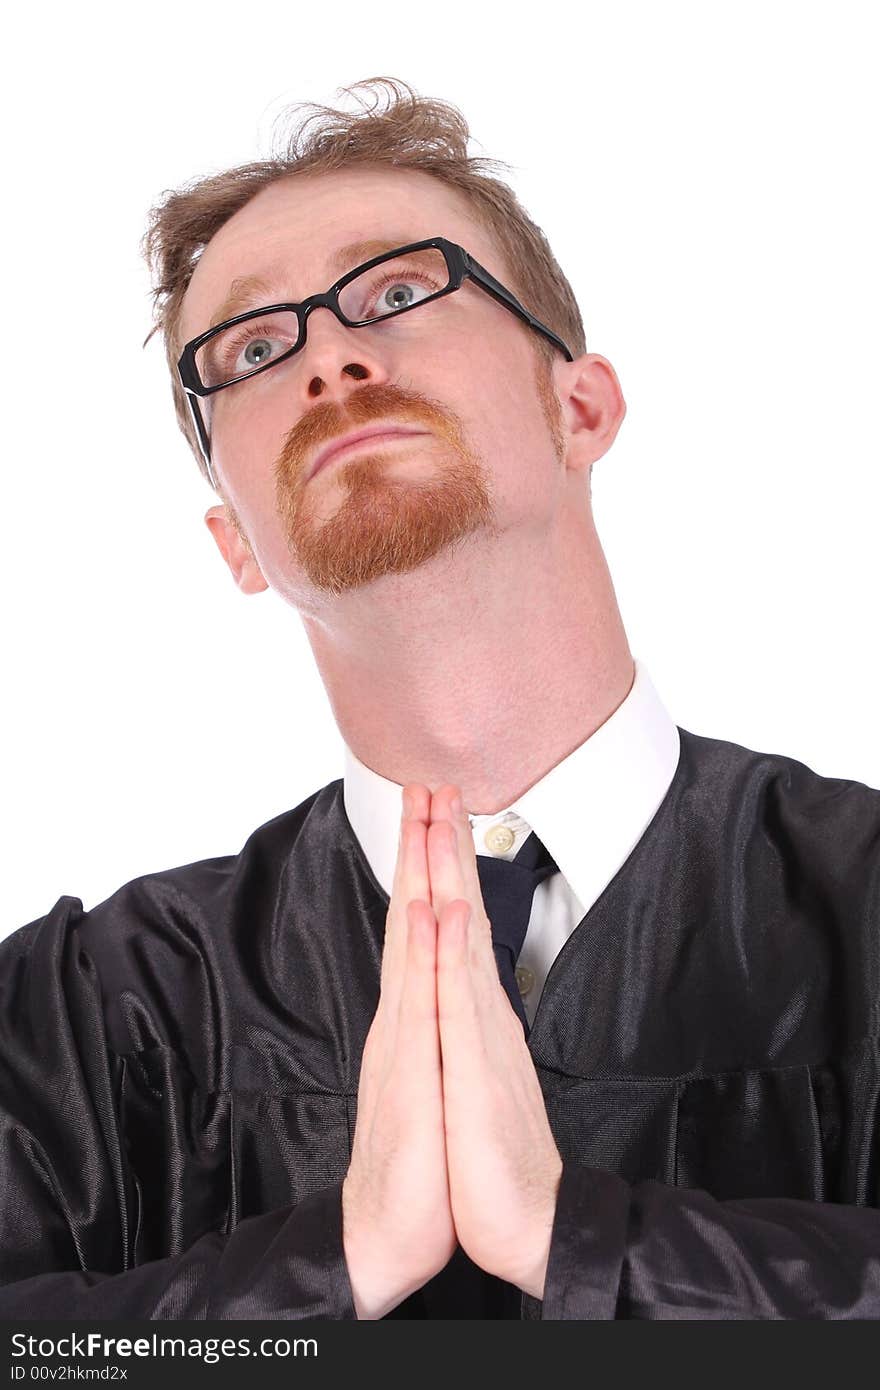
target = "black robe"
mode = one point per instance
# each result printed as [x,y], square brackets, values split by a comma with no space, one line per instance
[179,1070]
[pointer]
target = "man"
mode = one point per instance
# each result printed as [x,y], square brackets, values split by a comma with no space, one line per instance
[549,1007]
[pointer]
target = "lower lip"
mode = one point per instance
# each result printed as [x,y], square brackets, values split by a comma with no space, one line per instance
[372,439]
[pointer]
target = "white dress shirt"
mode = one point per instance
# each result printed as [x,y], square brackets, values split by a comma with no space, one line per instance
[590,811]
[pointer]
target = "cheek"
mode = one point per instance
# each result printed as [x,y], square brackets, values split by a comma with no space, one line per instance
[514,435]
[247,436]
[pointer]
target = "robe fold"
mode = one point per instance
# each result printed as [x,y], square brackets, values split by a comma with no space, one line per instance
[179,1072]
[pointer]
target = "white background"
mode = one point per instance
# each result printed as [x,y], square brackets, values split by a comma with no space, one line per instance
[707,176]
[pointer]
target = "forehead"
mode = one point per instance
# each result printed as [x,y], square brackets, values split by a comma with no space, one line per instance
[290,232]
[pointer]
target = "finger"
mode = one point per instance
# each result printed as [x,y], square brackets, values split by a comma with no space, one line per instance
[411,870]
[458,1004]
[416,801]
[457,875]
[419,1039]
[452,866]
[411,881]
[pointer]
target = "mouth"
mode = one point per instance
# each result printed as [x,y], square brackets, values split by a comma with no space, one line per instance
[378,434]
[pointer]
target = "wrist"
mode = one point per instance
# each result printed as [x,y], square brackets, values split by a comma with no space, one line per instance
[374,1290]
[534,1280]
[371,1296]
[534,1277]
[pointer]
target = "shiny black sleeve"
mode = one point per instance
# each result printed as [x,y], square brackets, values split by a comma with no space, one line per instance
[652,1251]
[286,1264]
[67,1203]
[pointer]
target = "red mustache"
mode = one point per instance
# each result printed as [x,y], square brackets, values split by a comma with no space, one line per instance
[327,423]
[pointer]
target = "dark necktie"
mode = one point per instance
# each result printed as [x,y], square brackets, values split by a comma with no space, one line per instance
[508,886]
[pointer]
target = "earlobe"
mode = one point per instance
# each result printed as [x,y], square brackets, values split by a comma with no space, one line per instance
[236,551]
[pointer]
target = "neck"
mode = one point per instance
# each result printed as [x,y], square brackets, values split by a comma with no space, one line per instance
[484,668]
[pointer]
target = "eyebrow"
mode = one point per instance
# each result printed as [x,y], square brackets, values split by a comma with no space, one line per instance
[252,291]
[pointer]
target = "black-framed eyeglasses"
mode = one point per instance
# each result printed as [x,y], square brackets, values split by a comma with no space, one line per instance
[381,288]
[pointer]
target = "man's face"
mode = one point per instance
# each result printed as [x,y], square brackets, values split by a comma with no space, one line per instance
[462,372]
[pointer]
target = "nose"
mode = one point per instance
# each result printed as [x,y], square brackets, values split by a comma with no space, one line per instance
[334,357]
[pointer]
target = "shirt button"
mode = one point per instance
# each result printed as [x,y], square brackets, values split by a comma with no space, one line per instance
[499,838]
[525,978]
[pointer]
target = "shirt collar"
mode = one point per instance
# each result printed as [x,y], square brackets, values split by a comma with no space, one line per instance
[590,810]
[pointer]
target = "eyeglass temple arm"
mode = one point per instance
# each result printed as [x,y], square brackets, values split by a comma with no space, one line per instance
[204,441]
[497,290]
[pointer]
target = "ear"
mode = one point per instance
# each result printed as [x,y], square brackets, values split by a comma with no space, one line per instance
[593,407]
[236,551]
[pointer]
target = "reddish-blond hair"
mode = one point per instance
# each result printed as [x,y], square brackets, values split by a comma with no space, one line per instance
[412,132]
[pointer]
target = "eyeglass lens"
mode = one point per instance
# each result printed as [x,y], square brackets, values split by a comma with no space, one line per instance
[386,289]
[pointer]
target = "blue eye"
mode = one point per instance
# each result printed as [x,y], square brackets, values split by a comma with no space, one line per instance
[256,353]
[247,346]
[394,285]
[403,293]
